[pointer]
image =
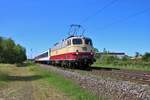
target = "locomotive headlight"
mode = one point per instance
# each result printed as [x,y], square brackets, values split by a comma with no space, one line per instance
[77,52]
[92,53]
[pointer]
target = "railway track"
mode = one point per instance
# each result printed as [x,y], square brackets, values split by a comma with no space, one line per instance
[134,76]
[120,74]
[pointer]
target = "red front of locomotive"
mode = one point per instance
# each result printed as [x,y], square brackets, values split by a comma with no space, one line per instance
[84,58]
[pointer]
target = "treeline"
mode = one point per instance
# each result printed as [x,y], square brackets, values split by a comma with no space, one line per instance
[10,52]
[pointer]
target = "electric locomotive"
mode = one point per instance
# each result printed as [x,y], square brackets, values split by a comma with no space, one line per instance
[74,51]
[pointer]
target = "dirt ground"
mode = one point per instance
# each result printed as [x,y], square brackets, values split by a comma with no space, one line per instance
[23,84]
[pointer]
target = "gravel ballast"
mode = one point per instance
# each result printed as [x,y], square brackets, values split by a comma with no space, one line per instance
[106,87]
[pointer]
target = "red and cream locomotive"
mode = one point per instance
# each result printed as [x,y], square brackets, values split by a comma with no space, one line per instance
[74,51]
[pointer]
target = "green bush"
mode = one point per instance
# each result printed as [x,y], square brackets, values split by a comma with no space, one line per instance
[126,62]
[11,52]
[146,57]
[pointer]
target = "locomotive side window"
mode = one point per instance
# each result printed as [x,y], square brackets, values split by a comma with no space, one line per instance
[69,42]
[88,42]
[77,41]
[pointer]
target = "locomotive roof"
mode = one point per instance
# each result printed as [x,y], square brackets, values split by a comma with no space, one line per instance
[72,36]
[76,36]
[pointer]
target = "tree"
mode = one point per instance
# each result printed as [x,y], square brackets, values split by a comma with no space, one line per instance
[10,52]
[20,53]
[97,55]
[137,54]
[96,50]
[1,49]
[104,50]
[146,57]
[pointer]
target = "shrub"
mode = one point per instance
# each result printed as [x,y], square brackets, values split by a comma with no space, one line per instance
[11,52]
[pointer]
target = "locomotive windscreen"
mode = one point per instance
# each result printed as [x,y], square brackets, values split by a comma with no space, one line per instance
[77,41]
[88,42]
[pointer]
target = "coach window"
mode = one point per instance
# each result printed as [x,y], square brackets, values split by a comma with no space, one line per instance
[77,41]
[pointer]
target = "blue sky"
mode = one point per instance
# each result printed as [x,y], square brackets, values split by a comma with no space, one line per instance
[38,24]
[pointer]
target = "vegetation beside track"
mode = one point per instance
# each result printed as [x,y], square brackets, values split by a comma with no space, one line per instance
[140,62]
[70,88]
[39,80]
[126,67]
[4,74]
[3,79]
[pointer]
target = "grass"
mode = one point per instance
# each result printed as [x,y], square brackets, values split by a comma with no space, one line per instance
[3,75]
[3,79]
[128,67]
[68,87]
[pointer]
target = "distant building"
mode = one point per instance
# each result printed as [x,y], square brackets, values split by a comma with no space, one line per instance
[115,54]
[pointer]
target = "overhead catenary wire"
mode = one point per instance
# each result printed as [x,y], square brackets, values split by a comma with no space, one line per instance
[97,12]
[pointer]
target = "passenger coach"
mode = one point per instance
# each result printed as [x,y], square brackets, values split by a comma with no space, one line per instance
[43,58]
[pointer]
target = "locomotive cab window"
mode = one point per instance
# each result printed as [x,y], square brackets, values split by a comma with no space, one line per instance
[88,42]
[77,41]
[69,42]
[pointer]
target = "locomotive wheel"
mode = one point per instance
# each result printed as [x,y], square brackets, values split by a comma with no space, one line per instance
[62,64]
[65,64]
[70,65]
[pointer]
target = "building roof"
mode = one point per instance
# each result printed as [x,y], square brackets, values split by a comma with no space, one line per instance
[112,53]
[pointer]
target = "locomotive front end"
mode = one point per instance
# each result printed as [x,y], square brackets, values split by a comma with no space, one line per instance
[84,54]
